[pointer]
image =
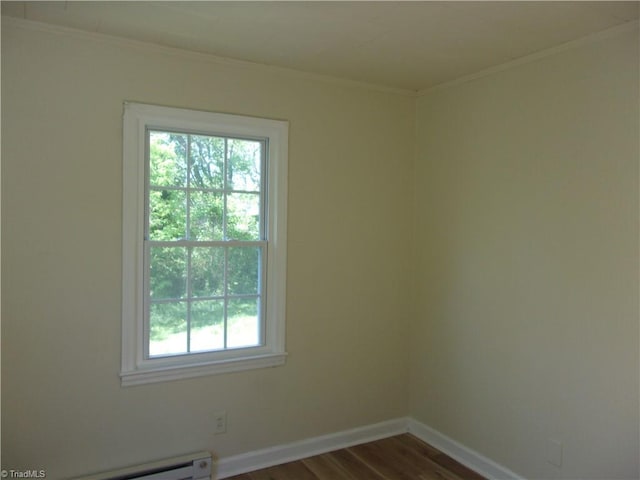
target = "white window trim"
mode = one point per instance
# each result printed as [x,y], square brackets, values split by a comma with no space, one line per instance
[135,368]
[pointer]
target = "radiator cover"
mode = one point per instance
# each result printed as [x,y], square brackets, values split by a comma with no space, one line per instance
[196,466]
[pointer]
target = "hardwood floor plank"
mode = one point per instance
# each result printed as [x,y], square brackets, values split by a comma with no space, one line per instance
[286,471]
[428,469]
[325,468]
[402,457]
[415,443]
[352,464]
[385,457]
[444,461]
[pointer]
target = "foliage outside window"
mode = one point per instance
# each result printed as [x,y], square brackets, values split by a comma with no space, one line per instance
[208,259]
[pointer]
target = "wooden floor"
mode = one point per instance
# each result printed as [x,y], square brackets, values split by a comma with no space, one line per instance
[403,457]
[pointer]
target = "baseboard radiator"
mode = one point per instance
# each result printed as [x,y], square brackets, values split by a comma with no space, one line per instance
[188,467]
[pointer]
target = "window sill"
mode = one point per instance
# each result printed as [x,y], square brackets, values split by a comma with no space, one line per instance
[164,373]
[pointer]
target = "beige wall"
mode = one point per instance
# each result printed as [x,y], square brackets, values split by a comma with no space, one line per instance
[527,262]
[351,150]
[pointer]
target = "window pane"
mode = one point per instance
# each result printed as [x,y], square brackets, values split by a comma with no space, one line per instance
[207,162]
[243,270]
[243,326]
[167,328]
[167,160]
[167,272]
[243,216]
[167,215]
[207,325]
[207,272]
[243,169]
[206,216]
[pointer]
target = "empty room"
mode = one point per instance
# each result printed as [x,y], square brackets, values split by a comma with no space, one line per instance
[272,239]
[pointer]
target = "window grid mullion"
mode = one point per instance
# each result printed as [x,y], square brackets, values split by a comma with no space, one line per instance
[225,317]
[187,233]
[213,297]
[205,243]
[189,298]
[201,189]
[225,189]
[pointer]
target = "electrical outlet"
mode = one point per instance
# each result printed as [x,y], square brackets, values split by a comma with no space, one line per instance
[220,422]
[554,452]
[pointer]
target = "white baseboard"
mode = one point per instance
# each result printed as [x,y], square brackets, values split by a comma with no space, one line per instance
[469,458]
[268,457]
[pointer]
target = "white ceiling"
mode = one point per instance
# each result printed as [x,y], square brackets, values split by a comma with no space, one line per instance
[408,45]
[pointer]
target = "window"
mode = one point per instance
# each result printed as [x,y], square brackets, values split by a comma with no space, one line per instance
[204,243]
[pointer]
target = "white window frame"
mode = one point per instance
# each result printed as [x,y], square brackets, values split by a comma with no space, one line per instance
[136,368]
